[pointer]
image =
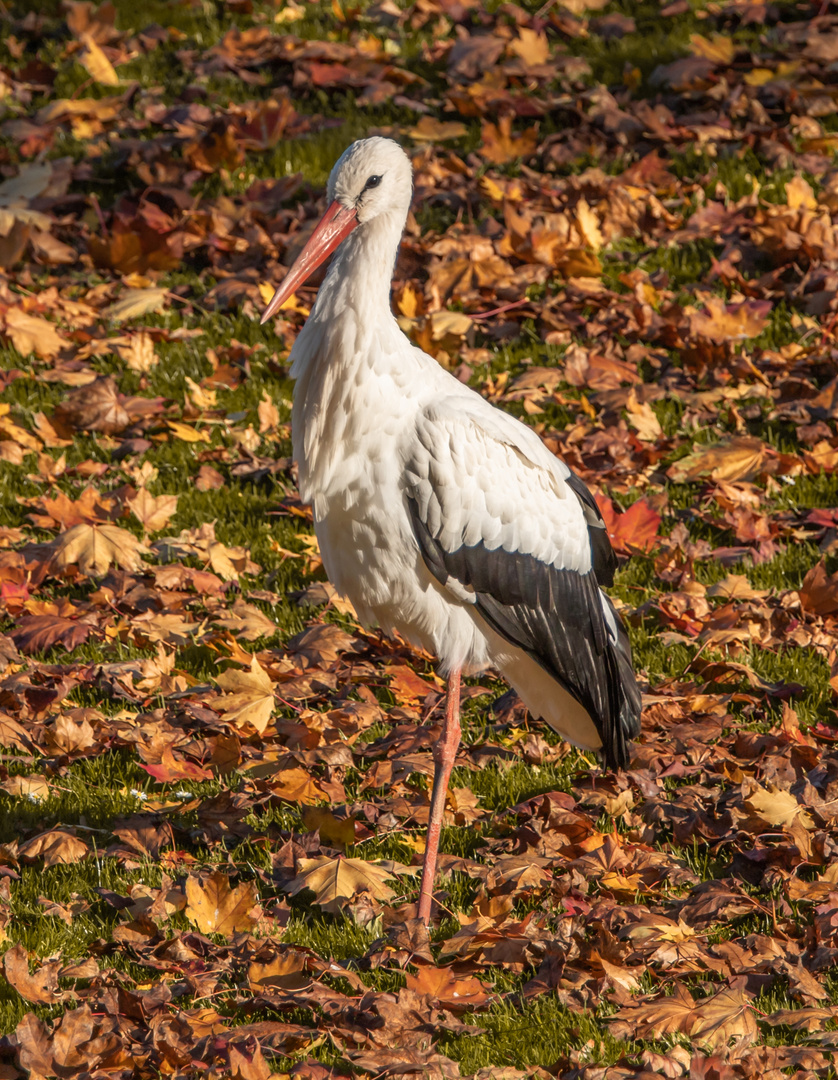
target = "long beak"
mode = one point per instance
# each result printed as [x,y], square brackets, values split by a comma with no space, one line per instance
[332,229]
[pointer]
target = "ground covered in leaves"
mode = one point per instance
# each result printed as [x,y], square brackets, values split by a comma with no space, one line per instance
[213,782]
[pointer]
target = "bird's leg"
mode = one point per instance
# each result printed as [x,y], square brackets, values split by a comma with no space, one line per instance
[445,752]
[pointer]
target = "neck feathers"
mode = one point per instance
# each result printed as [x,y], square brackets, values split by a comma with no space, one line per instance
[341,339]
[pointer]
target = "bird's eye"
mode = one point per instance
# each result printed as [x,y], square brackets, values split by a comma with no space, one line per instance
[373,181]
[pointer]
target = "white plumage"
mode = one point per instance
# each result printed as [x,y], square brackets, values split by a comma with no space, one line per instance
[439,516]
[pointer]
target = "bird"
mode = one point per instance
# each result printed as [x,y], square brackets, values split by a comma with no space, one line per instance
[442,518]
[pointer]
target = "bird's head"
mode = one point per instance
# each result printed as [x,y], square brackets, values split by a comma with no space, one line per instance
[372,178]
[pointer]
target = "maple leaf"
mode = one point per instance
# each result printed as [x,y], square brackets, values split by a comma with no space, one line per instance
[431,130]
[335,882]
[56,846]
[636,529]
[169,769]
[41,987]
[139,354]
[286,971]
[33,787]
[297,785]
[94,407]
[39,633]
[532,47]
[246,621]
[95,548]
[153,511]
[321,644]
[249,699]
[721,322]
[215,908]
[500,145]
[452,990]
[726,1015]
[334,831]
[655,1019]
[739,458]
[31,334]
[209,479]
[777,807]
[819,591]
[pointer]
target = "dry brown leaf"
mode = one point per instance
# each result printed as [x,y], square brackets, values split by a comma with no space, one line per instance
[31,334]
[95,548]
[215,908]
[335,882]
[739,458]
[94,407]
[55,846]
[249,698]
[153,511]
[777,807]
[139,354]
[431,130]
[501,145]
[41,987]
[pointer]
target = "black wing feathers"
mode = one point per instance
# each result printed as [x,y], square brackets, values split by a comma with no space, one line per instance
[604,559]
[557,617]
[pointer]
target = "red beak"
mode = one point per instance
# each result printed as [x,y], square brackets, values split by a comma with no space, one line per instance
[332,229]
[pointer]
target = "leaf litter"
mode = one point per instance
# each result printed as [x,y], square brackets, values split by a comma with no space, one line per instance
[638,259]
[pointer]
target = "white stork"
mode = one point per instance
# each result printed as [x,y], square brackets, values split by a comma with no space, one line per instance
[438,515]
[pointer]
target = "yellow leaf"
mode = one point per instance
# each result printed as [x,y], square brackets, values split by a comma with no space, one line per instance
[588,225]
[799,194]
[642,418]
[95,548]
[334,882]
[97,64]
[738,458]
[718,49]
[187,433]
[249,699]
[431,130]
[449,322]
[30,334]
[531,46]
[139,353]
[136,302]
[215,908]
[268,414]
[153,511]
[777,807]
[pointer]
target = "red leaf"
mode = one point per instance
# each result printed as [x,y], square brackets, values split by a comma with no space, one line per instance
[632,531]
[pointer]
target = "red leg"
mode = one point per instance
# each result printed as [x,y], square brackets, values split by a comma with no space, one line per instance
[445,752]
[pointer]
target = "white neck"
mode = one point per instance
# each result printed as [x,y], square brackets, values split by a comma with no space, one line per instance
[348,325]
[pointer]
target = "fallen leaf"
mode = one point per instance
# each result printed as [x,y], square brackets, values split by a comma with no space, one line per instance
[335,882]
[249,698]
[31,334]
[153,511]
[215,908]
[777,807]
[56,846]
[41,987]
[95,548]
[96,63]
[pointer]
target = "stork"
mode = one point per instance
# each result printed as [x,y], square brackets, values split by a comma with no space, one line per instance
[439,516]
